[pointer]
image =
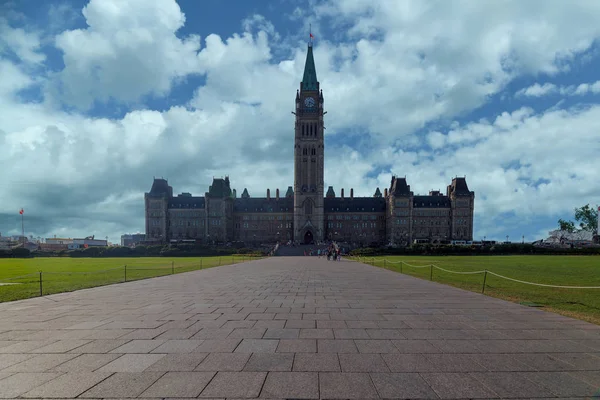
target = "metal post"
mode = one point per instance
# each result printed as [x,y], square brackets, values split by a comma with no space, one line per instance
[233,259]
[431,273]
[484,279]
[384,263]
[172,267]
[219,261]
[41,291]
[200,263]
[401,262]
[125,273]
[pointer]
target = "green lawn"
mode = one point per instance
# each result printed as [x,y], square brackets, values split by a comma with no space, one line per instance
[553,270]
[65,274]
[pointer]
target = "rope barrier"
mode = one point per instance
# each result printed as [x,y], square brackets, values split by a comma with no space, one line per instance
[459,272]
[482,272]
[542,284]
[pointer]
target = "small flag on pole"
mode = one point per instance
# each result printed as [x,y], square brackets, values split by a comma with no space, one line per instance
[311,36]
[21,212]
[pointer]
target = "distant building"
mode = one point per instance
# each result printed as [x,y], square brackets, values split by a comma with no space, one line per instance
[306,213]
[131,240]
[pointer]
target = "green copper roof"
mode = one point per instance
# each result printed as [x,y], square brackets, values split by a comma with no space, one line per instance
[309,81]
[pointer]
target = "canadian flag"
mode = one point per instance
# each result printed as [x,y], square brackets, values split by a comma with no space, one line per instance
[21,212]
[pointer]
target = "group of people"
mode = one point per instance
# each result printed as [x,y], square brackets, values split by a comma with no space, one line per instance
[333,253]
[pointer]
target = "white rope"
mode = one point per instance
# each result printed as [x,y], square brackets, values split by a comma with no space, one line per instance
[542,284]
[458,272]
[418,266]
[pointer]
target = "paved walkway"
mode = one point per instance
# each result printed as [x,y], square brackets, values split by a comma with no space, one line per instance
[291,328]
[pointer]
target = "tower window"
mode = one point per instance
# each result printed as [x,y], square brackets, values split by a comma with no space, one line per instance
[308,207]
[313,152]
[304,152]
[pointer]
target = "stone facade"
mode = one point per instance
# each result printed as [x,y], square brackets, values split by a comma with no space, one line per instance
[305,213]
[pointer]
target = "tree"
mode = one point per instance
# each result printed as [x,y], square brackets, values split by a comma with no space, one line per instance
[567,226]
[586,216]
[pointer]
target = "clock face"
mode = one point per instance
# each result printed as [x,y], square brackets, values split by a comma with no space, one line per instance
[309,102]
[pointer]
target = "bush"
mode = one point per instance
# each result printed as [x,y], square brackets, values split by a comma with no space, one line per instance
[21,252]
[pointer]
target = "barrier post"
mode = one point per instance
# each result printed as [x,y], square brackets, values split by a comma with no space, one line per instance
[41,291]
[125,273]
[401,262]
[233,259]
[172,267]
[384,263]
[219,261]
[431,272]
[200,263]
[484,279]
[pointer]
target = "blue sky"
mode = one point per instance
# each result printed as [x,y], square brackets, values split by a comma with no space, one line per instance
[101,96]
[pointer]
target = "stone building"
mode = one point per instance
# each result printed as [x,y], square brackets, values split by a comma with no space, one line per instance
[305,213]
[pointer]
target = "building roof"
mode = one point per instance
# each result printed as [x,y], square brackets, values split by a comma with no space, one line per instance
[330,192]
[309,80]
[460,186]
[220,188]
[262,204]
[160,186]
[399,187]
[354,204]
[186,202]
[431,201]
[290,192]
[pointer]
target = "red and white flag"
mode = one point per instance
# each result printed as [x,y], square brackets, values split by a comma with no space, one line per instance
[311,36]
[21,212]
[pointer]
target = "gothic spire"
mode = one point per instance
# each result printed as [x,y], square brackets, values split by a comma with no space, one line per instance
[309,81]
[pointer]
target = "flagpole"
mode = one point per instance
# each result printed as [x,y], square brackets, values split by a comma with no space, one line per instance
[23,227]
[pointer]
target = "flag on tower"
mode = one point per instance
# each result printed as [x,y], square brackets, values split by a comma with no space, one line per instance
[21,212]
[311,36]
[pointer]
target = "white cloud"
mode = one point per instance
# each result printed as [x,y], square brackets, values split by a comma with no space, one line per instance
[25,44]
[537,90]
[130,49]
[399,66]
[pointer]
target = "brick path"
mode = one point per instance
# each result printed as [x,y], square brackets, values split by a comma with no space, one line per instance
[290,328]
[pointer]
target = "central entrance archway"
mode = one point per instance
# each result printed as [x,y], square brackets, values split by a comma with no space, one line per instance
[308,237]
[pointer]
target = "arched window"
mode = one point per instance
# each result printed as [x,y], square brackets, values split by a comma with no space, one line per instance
[303,129]
[305,152]
[313,152]
[308,207]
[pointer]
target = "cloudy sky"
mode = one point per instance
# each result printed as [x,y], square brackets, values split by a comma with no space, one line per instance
[98,97]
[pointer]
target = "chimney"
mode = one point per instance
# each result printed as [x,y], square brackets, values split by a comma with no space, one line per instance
[342,193]
[277,193]
[351,193]
[268,194]
[385,192]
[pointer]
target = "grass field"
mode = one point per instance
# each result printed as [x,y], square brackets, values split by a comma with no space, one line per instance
[553,270]
[20,278]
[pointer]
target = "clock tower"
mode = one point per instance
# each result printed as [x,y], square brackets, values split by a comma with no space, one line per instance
[309,157]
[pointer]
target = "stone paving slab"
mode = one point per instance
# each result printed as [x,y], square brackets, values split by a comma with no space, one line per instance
[291,328]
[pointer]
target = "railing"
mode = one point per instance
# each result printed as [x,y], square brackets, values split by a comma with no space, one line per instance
[402,264]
